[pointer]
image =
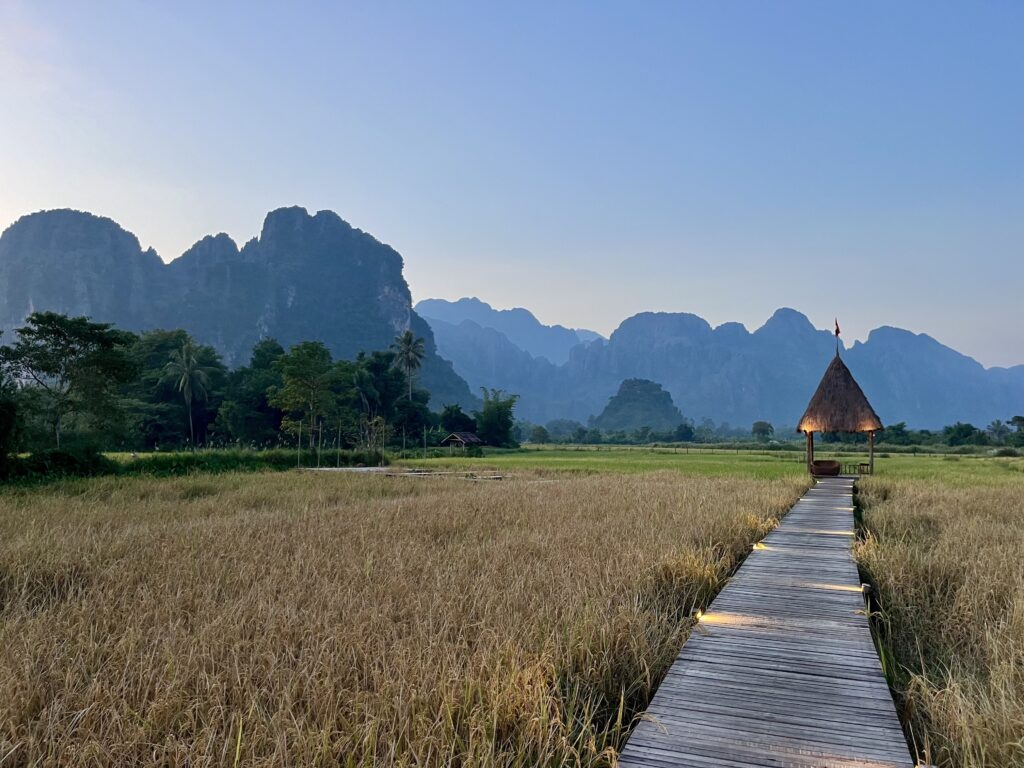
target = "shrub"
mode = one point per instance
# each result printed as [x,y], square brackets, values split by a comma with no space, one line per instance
[217,461]
[88,462]
[8,422]
[64,462]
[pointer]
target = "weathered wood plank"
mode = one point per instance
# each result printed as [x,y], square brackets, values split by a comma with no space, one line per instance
[781,670]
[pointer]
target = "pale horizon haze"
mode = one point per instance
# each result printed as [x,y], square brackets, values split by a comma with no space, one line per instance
[587,161]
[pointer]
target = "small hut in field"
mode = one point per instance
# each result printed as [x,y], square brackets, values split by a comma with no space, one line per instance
[461,440]
[839,405]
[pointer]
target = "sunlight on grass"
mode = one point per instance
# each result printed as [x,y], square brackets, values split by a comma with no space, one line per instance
[947,557]
[326,619]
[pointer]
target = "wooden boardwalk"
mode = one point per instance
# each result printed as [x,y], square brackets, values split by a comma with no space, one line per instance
[781,670]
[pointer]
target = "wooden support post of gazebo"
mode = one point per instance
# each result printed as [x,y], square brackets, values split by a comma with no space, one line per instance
[838,405]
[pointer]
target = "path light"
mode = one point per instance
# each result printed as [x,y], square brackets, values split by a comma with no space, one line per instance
[837,587]
[729,619]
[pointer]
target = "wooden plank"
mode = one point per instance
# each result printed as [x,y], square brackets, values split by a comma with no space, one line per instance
[781,670]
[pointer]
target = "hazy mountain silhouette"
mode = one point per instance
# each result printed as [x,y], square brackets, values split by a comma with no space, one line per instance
[639,403]
[305,277]
[518,325]
[732,375]
[316,277]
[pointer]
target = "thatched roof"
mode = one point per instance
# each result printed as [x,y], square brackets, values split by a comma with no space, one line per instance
[462,438]
[839,404]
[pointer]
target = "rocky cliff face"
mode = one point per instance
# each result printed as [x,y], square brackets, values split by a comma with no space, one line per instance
[305,277]
[84,264]
[929,384]
[735,376]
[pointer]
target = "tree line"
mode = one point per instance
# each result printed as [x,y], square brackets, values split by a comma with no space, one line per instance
[998,434]
[67,382]
[1009,434]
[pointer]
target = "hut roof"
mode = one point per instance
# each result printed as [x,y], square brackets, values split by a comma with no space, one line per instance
[839,404]
[465,438]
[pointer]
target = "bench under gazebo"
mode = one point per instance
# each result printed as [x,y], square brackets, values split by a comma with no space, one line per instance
[839,405]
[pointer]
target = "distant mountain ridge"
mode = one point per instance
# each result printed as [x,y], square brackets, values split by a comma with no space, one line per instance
[303,278]
[732,375]
[316,277]
[519,326]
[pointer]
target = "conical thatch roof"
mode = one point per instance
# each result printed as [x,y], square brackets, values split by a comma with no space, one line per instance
[839,404]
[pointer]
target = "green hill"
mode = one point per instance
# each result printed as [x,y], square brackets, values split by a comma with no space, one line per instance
[639,403]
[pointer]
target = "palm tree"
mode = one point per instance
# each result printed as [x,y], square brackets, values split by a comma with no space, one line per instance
[998,430]
[409,354]
[367,391]
[190,377]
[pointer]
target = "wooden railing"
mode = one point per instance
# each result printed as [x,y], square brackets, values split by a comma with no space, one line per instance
[862,468]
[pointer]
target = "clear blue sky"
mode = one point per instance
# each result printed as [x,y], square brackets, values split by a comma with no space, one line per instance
[587,161]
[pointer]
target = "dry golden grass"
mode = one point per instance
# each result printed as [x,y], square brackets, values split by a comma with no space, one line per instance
[305,619]
[948,559]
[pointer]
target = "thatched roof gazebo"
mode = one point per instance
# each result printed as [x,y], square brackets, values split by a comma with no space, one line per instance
[838,405]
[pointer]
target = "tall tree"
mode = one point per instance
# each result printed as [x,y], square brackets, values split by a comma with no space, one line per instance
[413,416]
[1017,438]
[683,433]
[366,389]
[762,430]
[494,421]
[453,419]
[307,378]
[8,417]
[76,363]
[539,435]
[896,434]
[409,354]
[998,430]
[158,407]
[190,376]
[963,434]
[245,415]
[382,384]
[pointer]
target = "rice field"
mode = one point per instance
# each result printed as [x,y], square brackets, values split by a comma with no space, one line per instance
[343,619]
[717,462]
[946,553]
[339,619]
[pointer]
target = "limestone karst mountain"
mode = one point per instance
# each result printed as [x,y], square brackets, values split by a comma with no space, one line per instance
[729,374]
[316,277]
[639,403]
[305,277]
